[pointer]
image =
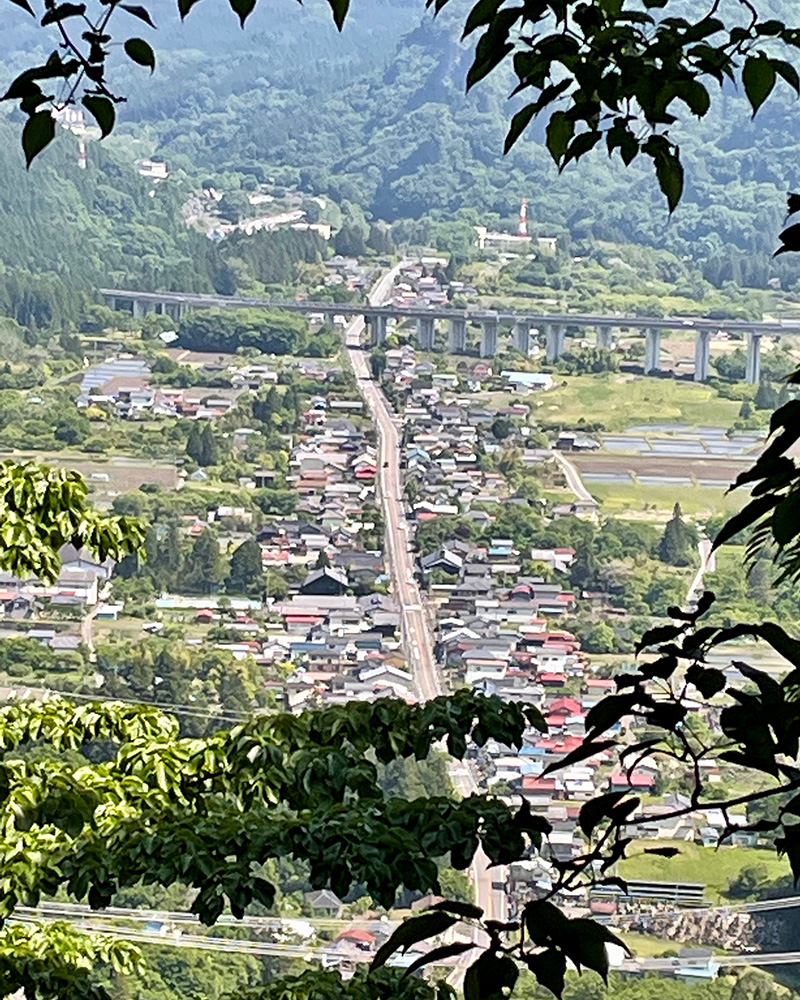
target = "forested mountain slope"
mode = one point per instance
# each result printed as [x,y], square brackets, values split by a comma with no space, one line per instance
[404,139]
[104,223]
[377,117]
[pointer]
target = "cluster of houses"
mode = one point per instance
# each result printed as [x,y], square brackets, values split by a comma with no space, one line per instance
[82,583]
[346,272]
[337,631]
[417,287]
[338,628]
[122,386]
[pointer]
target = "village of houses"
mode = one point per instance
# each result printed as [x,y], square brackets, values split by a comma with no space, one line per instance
[335,628]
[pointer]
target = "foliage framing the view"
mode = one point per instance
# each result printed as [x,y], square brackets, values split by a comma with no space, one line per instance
[600,72]
[42,509]
[210,812]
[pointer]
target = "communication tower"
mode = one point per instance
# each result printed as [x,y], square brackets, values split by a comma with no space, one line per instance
[522,228]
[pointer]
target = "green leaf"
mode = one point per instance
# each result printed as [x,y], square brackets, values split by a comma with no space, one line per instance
[63,11]
[771,690]
[340,9]
[482,13]
[38,132]
[102,110]
[140,52]
[780,641]
[410,932]
[788,73]
[141,12]
[519,123]
[619,136]
[243,8]
[658,635]
[587,749]
[786,519]
[663,668]
[593,811]
[581,144]
[587,945]
[790,846]
[468,910]
[696,97]
[790,240]
[560,130]
[525,820]
[545,923]
[758,77]
[488,55]
[489,976]
[25,6]
[608,712]
[437,955]
[549,967]
[708,680]
[669,172]
[746,517]
[184,6]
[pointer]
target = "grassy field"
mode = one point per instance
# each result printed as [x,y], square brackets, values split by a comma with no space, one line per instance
[713,867]
[656,502]
[645,946]
[621,401]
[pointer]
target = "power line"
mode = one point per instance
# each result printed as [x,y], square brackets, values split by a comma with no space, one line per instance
[225,715]
[78,910]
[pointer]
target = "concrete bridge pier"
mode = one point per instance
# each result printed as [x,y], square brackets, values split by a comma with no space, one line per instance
[555,337]
[753,370]
[174,310]
[377,327]
[652,350]
[702,355]
[140,308]
[521,338]
[489,337]
[603,335]
[426,332]
[457,335]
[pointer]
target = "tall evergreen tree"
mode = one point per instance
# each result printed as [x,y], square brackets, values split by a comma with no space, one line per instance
[246,573]
[209,453]
[194,444]
[679,540]
[766,396]
[166,562]
[205,567]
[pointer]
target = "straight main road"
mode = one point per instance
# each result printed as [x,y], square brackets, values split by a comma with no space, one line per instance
[416,633]
[415,624]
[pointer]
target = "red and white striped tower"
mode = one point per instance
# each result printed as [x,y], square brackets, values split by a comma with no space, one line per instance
[522,228]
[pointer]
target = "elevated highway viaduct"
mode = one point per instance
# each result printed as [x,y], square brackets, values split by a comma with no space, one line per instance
[552,328]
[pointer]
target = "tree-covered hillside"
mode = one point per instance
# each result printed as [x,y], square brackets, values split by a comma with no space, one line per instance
[102,224]
[403,139]
[376,119]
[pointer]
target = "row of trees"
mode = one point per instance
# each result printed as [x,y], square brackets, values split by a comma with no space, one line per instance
[267,331]
[197,567]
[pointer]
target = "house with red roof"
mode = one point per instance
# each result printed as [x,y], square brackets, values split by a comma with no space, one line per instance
[362,939]
[640,781]
[540,791]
